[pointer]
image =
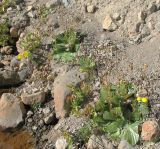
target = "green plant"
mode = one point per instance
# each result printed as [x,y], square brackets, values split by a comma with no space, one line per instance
[6,4]
[29,43]
[36,106]
[85,132]
[79,96]
[43,12]
[69,139]
[66,45]
[4,34]
[86,64]
[118,113]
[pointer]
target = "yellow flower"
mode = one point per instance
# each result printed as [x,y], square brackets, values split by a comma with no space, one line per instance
[20,56]
[145,100]
[139,99]
[26,54]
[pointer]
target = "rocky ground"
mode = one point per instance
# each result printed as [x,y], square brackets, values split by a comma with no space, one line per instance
[123,38]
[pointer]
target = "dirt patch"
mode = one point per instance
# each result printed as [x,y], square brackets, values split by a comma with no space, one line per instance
[16,140]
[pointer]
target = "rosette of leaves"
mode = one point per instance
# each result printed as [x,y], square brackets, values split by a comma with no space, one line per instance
[66,45]
[4,34]
[118,114]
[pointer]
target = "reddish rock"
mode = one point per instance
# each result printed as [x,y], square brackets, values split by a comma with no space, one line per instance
[11,111]
[150,130]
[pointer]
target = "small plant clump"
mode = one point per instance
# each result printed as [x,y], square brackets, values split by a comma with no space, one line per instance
[87,64]
[6,4]
[118,114]
[29,43]
[66,45]
[4,34]
[79,96]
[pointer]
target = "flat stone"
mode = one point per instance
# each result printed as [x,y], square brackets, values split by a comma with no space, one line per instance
[30,99]
[11,111]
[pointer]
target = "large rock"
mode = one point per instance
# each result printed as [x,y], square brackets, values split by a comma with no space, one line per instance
[150,130]
[62,91]
[11,111]
[35,98]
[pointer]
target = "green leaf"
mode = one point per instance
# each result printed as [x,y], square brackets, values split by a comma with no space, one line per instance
[122,89]
[130,133]
[114,126]
[108,116]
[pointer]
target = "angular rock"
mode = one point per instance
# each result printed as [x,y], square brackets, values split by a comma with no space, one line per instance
[150,130]
[49,119]
[62,92]
[9,78]
[108,24]
[35,98]
[53,3]
[91,8]
[6,50]
[152,8]
[142,16]
[11,111]
[99,142]
[116,16]
[124,145]
[61,143]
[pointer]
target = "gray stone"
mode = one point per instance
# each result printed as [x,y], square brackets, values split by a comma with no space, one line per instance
[6,50]
[116,16]
[152,8]
[142,16]
[99,142]
[46,110]
[61,143]
[124,145]
[23,74]
[53,3]
[11,111]
[157,27]
[91,8]
[35,98]
[65,2]
[49,119]
[9,78]
[61,91]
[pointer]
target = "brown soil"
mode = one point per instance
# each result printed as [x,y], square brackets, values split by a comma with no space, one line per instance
[16,140]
